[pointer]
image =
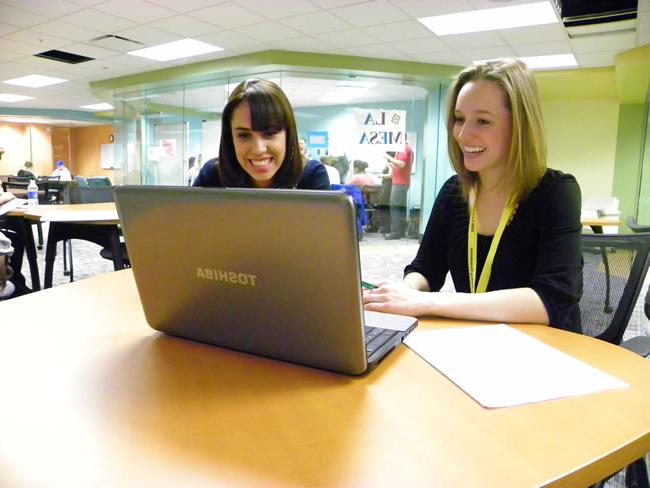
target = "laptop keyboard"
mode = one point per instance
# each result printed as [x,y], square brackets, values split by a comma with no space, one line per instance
[377,337]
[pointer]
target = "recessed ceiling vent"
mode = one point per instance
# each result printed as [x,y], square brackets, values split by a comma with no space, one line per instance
[589,12]
[63,56]
[116,42]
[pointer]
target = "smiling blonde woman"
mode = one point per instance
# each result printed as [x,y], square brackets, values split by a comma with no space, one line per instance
[506,227]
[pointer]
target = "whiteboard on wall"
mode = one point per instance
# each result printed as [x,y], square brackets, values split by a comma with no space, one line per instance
[108,157]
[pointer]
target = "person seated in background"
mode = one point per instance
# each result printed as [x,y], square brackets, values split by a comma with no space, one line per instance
[62,172]
[359,177]
[505,226]
[193,170]
[259,144]
[332,172]
[27,171]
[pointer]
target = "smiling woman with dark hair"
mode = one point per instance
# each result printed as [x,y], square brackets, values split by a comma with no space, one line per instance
[259,144]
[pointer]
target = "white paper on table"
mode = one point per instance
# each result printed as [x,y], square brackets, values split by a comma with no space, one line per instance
[499,366]
[11,204]
[79,216]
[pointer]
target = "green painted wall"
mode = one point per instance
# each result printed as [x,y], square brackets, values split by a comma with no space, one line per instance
[627,172]
[582,139]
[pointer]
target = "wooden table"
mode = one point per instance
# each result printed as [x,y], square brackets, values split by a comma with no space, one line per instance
[102,230]
[597,224]
[94,397]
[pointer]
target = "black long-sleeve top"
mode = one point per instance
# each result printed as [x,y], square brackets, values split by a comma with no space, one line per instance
[314,176]
[539,249]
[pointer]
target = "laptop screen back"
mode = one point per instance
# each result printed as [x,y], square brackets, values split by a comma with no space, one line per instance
[270,272]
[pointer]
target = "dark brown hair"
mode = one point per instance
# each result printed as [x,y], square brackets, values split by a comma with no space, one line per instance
[270,111]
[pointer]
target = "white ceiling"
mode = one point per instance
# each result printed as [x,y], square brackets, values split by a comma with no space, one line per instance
[369,28]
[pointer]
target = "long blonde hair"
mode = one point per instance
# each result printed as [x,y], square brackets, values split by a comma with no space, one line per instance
[527,154]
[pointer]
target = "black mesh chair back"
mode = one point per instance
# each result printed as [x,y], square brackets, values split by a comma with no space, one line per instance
[98,181]
[19,180]
[615,266]
[91,194]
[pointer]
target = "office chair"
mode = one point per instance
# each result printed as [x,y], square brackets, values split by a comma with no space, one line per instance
[615,266]
[98,194]
[98,181]
[636,227]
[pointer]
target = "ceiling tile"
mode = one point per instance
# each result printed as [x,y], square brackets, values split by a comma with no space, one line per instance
[399,31]
[228,15]
[370,13]
[473,40]
[375,51]
[48,8]
[416,46]
[278,10]
[21,18]
[184,6]
[328,4]
[68,31]
[542,48]
[316,23]
[538,33]
[186,26]
[7,28]
[227,39]
[303,43]
[488,53]
[347,38]
[15,46]
[148,36]
[419,8]
[484,4]
[38,40]
[268,31]
[135,10]
[133,61]
[90,50]
[7,55]
[608,42]
[98,20]
[443,57]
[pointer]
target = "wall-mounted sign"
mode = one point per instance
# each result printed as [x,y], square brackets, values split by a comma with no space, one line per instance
[381,128]
[317,139]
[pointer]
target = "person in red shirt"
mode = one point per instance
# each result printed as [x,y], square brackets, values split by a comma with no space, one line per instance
[400,165]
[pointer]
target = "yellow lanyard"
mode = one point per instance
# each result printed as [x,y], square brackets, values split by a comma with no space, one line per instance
[472,244]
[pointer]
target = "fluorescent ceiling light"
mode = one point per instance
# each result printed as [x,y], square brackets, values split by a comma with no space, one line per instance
[184,48]
[35,81]
[491,19]
[98,106]
[550,61]
[8,97]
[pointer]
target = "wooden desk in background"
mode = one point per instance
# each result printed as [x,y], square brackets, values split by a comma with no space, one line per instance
[598,224]
[73,222]
[94,397]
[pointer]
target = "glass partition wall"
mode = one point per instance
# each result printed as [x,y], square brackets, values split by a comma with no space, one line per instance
[159,130]
[643,210]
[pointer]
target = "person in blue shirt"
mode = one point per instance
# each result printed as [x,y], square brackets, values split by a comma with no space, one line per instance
[259,144]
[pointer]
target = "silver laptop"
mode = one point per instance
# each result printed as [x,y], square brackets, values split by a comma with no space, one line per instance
[268,272]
